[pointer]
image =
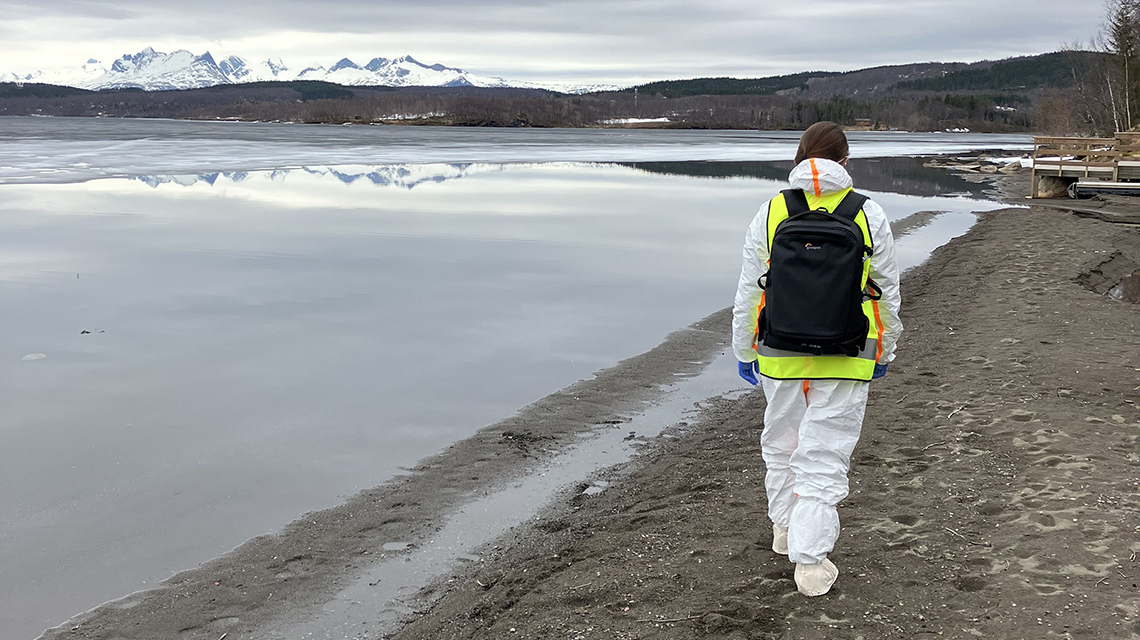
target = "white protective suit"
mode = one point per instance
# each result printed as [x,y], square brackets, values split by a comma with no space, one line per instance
[811,427]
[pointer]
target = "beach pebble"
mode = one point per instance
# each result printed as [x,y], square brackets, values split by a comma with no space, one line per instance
[596,487]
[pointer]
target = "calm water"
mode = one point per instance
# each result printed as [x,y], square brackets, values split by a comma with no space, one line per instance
[267,338]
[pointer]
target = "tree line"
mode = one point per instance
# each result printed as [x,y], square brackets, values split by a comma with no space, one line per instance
[1040,93]
[530,108]
[1104,94]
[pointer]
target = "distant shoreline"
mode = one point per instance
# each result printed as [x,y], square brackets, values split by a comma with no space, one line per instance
[994,97]
[444,122]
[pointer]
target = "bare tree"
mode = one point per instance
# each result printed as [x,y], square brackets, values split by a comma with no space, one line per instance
[1121,38]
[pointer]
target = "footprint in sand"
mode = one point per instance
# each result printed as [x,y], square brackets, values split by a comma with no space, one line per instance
[1047,589]
[907,520]
[970,584]
[1097,570]
[1048,521]
[899,528]
[991,508]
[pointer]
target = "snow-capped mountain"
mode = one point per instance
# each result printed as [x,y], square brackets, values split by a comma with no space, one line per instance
[404,71]
[12,76]
[152,70]
[241,70]
[89,71]
[155,71]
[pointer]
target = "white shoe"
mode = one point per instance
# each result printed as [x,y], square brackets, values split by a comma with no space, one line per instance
[816,579]
[779,540]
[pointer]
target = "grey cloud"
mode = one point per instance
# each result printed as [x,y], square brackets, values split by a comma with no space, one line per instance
[618,39]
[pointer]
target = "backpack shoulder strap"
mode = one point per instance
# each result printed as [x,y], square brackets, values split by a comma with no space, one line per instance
[796,201]
[851,205]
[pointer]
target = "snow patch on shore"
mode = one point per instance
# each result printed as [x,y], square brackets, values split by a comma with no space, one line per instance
[635,120]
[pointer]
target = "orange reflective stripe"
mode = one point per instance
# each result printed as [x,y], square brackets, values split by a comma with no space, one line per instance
[759,309]
[879,324]
[815,178]
[807,385]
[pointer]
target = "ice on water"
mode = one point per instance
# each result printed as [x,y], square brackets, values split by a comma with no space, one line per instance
[39,150]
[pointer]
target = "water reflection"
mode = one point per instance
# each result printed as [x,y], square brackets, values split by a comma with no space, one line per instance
[906,176]
[897,175]
[402,176]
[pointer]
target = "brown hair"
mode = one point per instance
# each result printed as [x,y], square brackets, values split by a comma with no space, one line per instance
[823,140]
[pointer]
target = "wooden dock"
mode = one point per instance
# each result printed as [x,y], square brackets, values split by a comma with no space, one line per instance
[1086,166]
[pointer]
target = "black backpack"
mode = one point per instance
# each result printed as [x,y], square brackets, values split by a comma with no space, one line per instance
[814,285]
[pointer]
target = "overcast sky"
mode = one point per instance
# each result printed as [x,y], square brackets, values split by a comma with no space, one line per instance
[621,41]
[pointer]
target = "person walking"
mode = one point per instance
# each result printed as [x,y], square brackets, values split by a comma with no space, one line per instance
[816,317]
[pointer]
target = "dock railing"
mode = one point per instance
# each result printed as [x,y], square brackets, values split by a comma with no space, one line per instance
[1061,162]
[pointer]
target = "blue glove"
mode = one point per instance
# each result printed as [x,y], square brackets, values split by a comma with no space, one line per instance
[880,371]
[748,371]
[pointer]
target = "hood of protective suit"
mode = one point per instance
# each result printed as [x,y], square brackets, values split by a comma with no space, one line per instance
[821,177]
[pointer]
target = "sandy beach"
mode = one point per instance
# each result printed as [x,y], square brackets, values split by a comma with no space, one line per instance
[993,492]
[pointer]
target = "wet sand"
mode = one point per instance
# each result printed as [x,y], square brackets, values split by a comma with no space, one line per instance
[995,491]
[290,575]
[912,223]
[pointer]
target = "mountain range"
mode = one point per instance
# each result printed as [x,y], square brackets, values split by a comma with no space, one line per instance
[152,70]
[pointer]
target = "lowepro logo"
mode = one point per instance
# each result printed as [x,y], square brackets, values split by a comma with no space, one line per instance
[811,247]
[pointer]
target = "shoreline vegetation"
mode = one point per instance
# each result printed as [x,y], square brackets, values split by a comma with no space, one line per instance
[1036,93]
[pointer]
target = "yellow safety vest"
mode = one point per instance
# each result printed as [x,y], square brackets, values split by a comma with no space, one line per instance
[792,365]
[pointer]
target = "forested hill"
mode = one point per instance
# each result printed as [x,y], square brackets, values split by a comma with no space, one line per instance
[1053,70]
[1036,93]
[730,86]
[1050,70]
